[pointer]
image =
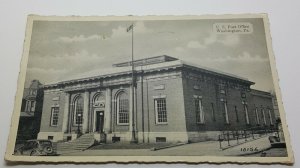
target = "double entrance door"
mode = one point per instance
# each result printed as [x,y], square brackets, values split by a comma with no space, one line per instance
[99,121]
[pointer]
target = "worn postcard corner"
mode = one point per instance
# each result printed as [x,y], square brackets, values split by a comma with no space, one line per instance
[149,89]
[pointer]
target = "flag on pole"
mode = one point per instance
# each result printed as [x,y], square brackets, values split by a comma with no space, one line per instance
[130,28]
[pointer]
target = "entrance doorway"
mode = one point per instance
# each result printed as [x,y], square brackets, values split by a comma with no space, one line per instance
[99,121]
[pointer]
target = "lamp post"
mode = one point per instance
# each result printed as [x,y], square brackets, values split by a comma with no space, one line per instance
[78,125]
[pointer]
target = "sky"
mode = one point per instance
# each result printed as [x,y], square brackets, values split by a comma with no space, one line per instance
[62,49]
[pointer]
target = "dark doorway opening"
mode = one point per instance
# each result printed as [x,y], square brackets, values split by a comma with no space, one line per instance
[99,121]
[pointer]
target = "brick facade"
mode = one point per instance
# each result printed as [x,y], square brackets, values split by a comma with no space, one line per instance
[176,84]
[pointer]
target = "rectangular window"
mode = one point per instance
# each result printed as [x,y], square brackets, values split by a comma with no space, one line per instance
[199,111]
[115,139]
[236,114]
[226,112]
[123,113]
[264,116]
[257,117]
[213,112]
[78,115]
[50,138]
[246,114]
[161,110]
[54,116]
[161,139]
[270,116]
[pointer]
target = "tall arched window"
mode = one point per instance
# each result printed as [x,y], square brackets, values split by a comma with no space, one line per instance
[122,108]
[78,110]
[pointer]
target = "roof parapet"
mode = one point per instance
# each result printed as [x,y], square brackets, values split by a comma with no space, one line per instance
[146,61]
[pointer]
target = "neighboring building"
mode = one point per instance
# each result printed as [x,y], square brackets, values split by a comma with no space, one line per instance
[31,110]
[174,101]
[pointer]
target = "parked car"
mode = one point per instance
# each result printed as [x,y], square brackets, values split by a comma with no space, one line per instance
[35,148]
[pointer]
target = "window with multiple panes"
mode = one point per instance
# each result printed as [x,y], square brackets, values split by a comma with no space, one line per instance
[161,110]
[78,110]
[123,108]
[54,116]
[199,110]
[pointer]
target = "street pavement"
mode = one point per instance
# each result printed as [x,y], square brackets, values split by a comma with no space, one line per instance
[208,148]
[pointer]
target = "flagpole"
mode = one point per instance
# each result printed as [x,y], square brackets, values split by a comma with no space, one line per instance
[133,140]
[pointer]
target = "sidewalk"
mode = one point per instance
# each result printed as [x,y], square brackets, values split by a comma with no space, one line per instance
[250,147]
[209,148]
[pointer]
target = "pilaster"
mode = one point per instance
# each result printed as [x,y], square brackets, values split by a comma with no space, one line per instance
[66,113]
[86,101]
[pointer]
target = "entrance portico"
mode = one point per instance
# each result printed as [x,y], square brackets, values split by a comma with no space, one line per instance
[97,112]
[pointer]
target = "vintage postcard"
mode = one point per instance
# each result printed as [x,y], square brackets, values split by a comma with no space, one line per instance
[188,89]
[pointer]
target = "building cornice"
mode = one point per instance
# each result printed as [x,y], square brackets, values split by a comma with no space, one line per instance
[218,75]
[111,78]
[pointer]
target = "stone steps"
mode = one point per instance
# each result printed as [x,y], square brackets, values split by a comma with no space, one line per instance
[79,144]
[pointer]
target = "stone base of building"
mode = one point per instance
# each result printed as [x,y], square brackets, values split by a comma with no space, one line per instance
[203,136]
[53,136]
[158,137]
[124,137]
[56,136]
[69,136]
